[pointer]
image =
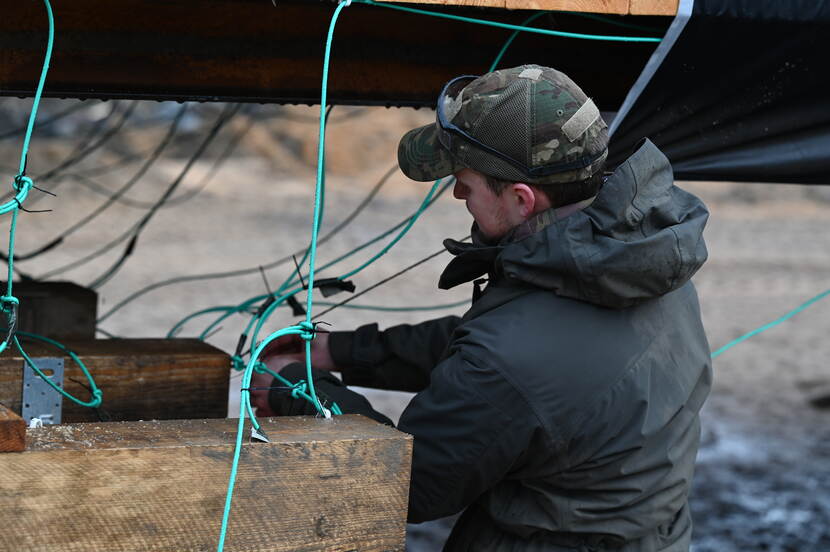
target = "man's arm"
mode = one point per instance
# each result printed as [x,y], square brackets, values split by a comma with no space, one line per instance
[399,358]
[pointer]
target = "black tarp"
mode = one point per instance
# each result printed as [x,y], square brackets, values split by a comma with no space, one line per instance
[740,90]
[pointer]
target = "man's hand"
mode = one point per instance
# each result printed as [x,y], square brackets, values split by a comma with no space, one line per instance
[293,347]
[279,354]
[261,381]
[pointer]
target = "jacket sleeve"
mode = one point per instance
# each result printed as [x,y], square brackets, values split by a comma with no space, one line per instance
[471,430]
[398,358]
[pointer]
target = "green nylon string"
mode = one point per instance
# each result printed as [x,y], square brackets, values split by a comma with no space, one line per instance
[315,228]
[407,225]
[583,36]
[97,395]
[244,406]
[305,329]
[513,36]
[772,324]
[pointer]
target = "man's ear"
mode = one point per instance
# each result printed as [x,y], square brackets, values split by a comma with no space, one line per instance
[525,199]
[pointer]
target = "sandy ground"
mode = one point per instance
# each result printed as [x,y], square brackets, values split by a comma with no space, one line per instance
[764,468]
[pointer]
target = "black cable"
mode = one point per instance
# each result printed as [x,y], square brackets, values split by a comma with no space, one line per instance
[230,147]
[91,132]
[125,160]
[227,114]
[133,232]
[246,271]
[92,146]
[171,132]
[45,122]
[384,281]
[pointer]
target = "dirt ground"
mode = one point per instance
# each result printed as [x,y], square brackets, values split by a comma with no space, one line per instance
[763,477]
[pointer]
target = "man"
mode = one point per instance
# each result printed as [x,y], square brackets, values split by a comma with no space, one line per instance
[561,411]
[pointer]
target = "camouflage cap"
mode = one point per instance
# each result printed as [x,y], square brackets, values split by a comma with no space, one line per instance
[535,115]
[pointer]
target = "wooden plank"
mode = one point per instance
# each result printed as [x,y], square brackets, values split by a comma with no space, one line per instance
[475,3]
[591,6]
[653,7]
[141,379]
[339,484]
[255,51]
[12,431]
[60,310]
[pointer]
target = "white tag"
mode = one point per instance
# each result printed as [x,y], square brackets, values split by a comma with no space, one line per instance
[584,117]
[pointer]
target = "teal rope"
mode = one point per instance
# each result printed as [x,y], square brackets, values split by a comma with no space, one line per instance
[245,407]
[486,22]
[513,36]
[305,329]
[407,224]
[97,394]
[22,185]
[318,194]
[772,324]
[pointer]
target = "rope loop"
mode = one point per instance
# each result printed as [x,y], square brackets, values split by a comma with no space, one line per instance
[21,181]
[309,330]
[299,389]
[237,363]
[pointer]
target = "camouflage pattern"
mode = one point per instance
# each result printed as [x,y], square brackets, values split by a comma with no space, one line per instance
[519,112]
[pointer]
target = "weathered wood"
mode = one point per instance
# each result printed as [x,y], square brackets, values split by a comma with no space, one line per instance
[339,484]
[141,379]
[253,50]
[622,7]
[12,431]
[60,310]
[594,6]
[653,7]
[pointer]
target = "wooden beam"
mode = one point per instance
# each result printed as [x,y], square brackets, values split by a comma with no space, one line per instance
[618,7]
[12,431]
[253,50]
[593,6]
[142,379]
[339,484]
[60,310]
[653,7]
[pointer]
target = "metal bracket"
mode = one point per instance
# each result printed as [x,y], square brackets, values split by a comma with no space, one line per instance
[39,399]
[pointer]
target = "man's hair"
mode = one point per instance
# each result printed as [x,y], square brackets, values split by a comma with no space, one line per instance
[559,193]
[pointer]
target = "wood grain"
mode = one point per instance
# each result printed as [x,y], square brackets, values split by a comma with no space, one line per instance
[12,431]
[592,6]
[339,484]
[622,7]
[653,7]
[140,378]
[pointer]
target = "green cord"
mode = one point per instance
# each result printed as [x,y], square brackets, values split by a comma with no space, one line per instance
[549,32]
[245,406]
[513,36]
[318,194]
[22,185]
[97,395]
[765,327]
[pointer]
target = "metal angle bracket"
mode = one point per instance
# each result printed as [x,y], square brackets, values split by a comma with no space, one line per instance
[39,399]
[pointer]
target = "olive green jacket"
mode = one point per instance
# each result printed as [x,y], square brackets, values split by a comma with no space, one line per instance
[561,411]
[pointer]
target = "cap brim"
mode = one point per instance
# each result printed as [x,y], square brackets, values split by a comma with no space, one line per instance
[423,158]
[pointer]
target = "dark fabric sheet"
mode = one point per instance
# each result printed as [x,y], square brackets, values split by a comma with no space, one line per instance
[743,95]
